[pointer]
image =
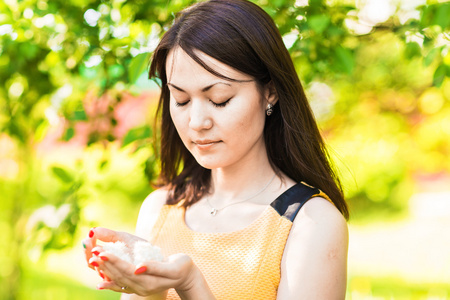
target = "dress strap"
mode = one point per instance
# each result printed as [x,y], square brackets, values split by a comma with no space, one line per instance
[291,201]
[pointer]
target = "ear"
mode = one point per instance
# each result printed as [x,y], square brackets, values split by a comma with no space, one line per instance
[270,93]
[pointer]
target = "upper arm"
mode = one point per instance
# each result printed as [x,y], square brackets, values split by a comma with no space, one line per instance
[314,263]
[149,212]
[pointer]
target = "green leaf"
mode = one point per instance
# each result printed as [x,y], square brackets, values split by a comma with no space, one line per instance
[149,168]
[78,115]
[431,56]
[28,50]
[441,17]
[136,134]
[345,59]
[89,73]
[318,23]
[70,132]
[62,174]
[115,71]
[103,164]
[412,50]
[439,75]
[137,66]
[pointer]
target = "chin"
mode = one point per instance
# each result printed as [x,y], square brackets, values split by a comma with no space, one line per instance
[209,164]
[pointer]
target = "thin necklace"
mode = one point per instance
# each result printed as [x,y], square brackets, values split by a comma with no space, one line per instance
[214,210]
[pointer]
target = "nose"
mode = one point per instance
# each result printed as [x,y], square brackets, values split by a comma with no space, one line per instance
[199,118]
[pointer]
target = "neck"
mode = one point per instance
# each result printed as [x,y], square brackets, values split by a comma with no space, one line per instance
[239,182]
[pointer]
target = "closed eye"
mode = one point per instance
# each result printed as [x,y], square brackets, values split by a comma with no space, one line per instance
[181,103]
[222,104]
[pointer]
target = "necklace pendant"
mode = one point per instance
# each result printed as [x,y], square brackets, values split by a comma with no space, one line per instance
[213,211]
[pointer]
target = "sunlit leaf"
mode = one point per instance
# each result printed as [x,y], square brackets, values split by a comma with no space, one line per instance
[137,66]
[78,115]
[431,56]
[439,75]
[136,134]
[62,174]
[442,14]
[412,50]
[318,23]
[345,59]
[103,164]
[68,134]
[115,71]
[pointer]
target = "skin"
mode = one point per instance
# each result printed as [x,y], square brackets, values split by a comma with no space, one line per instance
[228,139]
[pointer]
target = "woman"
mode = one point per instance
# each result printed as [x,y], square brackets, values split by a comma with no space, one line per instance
[248,206]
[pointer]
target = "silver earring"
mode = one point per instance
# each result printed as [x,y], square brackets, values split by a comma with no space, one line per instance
[269,109]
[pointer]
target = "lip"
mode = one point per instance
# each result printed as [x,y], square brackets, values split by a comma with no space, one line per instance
[205,144]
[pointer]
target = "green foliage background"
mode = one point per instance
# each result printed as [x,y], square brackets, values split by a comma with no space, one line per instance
[381,98]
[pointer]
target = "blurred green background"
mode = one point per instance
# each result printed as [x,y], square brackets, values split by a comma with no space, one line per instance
[76,116]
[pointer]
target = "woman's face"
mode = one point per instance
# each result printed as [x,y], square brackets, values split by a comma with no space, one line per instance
[220,122]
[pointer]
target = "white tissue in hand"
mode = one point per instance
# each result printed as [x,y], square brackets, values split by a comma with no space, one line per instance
[142,251]
[120,250]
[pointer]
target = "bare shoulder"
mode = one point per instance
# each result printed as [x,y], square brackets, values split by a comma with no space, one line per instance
[315,256]
[320,214]
[149,212]
[320,225]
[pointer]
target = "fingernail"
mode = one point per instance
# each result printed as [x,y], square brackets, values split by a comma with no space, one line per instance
[84,245]
[101,275]
[91,232]
[100,288]
[140,270]
[96,253]
[95,264]
[104,258]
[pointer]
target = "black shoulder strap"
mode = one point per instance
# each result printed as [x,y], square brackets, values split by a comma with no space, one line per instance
[289,203]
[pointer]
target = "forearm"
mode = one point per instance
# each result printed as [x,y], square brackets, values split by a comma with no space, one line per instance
[197,289]
[159,296]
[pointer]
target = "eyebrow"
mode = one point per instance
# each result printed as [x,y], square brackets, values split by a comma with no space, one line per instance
[205,89]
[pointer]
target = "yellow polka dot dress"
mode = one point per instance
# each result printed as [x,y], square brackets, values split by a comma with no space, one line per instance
[243,264]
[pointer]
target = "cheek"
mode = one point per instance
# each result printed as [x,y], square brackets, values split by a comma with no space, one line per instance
[247,123]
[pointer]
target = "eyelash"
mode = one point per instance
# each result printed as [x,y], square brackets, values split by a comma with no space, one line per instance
[220,104]
[214,103]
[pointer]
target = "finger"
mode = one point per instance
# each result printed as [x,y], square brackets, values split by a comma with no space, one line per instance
[92,237]
[87,245]
[103,276]
[95,261]
[106,235]
[114,268]
[107,256]
[99,257]
[111,285]
[155,268]
[97,250]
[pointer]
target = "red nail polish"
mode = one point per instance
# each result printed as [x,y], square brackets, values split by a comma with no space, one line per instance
[104,258]
[96,253]
[100,288]
[91,233]
[140,270]
[95,264]
[101,275]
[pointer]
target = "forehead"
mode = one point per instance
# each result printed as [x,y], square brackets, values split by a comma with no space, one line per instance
[181,67]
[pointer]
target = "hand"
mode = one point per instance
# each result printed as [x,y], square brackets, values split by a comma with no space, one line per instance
[105,235]
[178,272]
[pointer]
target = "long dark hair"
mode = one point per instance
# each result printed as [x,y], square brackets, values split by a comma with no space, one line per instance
[240,34]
